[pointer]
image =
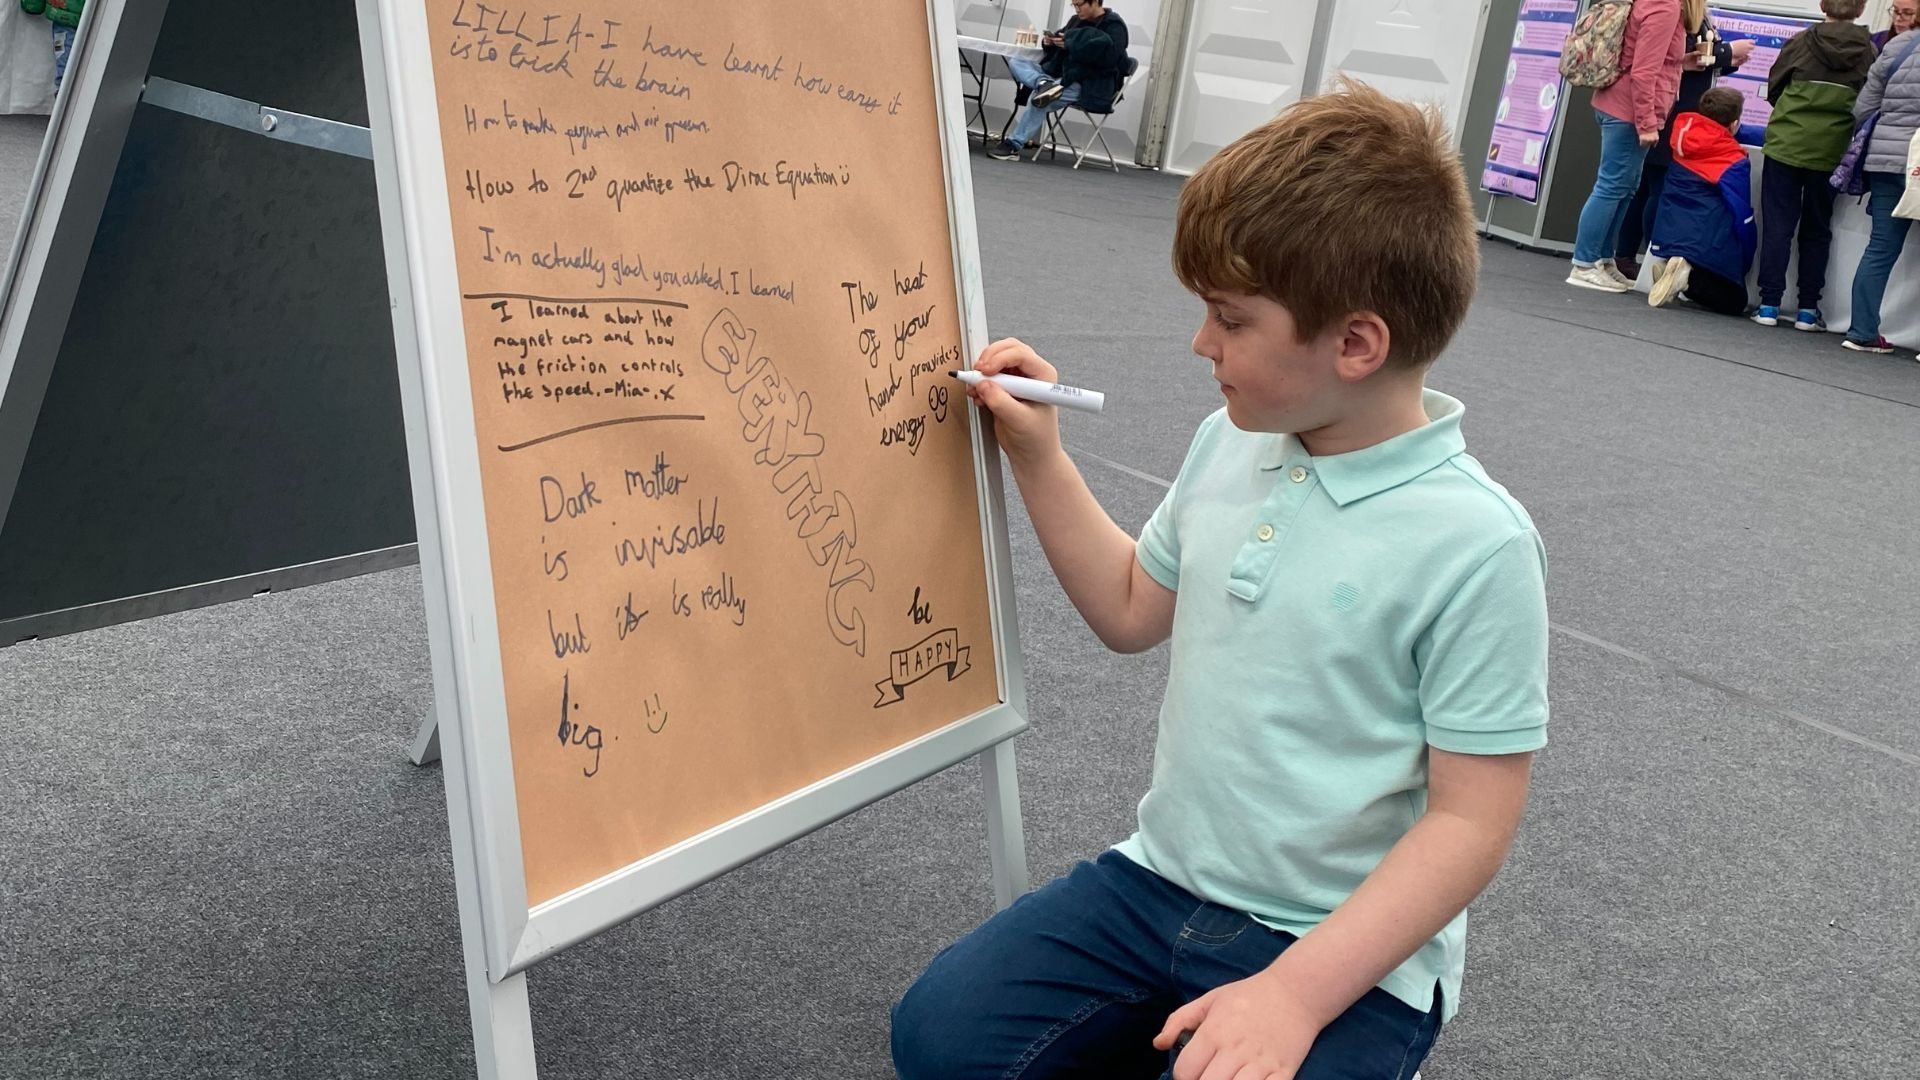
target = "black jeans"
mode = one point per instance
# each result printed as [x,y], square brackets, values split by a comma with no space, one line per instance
[1638,228]
[1715,293]
[1790,198]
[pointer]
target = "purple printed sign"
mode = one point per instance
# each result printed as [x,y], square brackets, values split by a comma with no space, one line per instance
[1529,100]
[1768,34]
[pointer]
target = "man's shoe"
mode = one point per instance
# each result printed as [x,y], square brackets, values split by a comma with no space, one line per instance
[1613,271]
[1879,346]
[1767,315]
[1048,94]
[1628,268]
[1593,277]
[1809,320]
[1005,151]
[1672,282]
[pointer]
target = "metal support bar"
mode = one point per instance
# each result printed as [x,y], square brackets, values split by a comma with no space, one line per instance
[426,741]
[320,134]
[1006,839]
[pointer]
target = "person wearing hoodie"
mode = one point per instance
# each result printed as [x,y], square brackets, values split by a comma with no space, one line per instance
[1705,229]
[1631,111]
[1813,84]
[1893,88]
[1697,73]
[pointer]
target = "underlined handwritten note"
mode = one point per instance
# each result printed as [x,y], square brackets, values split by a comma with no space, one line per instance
[706,275]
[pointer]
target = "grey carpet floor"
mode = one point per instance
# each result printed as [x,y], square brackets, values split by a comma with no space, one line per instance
[215,861]
[20,138]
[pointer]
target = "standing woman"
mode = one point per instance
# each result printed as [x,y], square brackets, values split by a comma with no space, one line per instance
[1631,113]
[1903,20]
[1707,58]
[1896,93]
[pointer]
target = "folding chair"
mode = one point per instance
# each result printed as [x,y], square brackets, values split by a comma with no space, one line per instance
[1057,132]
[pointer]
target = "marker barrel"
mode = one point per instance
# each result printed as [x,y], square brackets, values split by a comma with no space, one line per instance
[1043,393]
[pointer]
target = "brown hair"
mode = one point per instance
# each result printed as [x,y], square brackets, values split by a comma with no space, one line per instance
[1722,105]
[1343,203]
[1843,9]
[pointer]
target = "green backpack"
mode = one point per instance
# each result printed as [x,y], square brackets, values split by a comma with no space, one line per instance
[1591,55]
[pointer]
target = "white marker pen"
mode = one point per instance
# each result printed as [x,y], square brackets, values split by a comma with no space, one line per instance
[1044,393]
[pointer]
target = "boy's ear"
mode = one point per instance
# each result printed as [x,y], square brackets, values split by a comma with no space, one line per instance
[1363,343]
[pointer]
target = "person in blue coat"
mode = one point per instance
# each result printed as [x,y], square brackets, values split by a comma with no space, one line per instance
[1704,229]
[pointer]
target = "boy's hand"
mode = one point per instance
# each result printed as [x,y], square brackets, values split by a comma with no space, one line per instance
[1026,431]
[1254,1029]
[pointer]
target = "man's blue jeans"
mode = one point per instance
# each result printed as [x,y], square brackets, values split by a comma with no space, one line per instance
[1883,250]
[1621,158]
[1028,74]
[1076,979]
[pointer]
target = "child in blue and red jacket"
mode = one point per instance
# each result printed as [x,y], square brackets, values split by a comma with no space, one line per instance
[1704,229]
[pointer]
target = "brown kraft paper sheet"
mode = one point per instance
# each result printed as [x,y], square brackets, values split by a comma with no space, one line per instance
[706,277]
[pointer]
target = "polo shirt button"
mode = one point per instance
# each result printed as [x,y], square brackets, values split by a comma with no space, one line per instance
[1264,532]
[1299,474]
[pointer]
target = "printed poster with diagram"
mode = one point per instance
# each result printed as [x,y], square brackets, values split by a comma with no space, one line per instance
[1530,96]
[1769,34]
[707,281]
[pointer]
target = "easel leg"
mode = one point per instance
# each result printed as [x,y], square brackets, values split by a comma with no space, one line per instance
[426,742]
[1006,839]
[502,1026]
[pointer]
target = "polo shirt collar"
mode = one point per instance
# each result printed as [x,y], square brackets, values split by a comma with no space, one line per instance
[1353,476]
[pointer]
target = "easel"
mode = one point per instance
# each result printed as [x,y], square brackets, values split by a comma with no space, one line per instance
[107,81]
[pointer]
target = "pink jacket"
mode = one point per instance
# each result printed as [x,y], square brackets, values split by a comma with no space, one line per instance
[1649,81]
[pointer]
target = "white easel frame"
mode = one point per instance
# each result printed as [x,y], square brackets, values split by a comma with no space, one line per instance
[501,934]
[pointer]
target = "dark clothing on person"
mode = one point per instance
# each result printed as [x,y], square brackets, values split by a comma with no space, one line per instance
[1719,295]
[1093,57]
[1790,198]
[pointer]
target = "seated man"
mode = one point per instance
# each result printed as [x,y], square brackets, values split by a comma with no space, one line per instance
[1084,62]
[1704,229]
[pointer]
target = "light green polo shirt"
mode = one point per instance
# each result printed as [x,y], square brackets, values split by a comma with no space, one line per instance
[1336,616]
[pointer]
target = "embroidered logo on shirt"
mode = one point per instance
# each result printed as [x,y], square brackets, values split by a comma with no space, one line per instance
[1345,597]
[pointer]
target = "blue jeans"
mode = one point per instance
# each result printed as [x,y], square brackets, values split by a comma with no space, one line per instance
[1076,979]
[1028,74]
[62,52]
[1621,157]
[1883,250]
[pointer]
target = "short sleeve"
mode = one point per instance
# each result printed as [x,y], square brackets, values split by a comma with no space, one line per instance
[1483,661]
[1158,548]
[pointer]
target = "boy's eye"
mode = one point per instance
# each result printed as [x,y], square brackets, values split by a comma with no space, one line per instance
[1224,324]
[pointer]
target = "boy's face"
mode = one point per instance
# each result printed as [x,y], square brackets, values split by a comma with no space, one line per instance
[1272,381]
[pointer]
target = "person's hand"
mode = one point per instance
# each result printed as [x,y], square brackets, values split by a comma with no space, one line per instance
[1742,49]
[1648,138]
[1254,1029]
[1026,431]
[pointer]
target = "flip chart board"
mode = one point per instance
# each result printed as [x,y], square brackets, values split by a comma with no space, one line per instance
[716,528]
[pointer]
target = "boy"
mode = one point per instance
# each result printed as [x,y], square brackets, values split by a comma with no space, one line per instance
[1812,86]
[1358,675]
[1704,229]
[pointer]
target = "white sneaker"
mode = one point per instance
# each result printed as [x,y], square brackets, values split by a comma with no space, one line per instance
[1593,277]
[1672,282]
[1613,271]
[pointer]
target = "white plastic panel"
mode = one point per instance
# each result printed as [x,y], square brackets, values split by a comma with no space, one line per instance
[1243,61]
[1414,50]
